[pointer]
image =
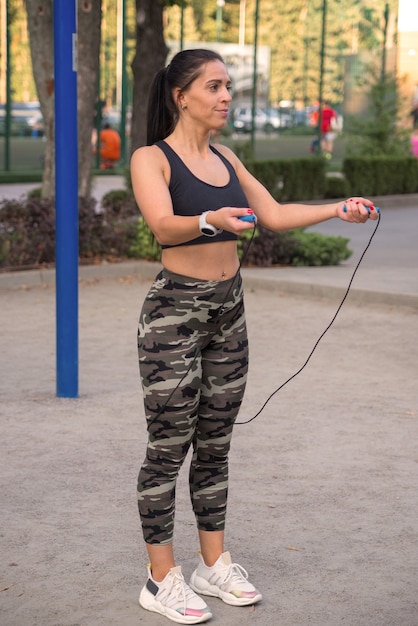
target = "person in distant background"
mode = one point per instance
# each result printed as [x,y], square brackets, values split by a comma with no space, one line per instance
[414,115]
[109,147]
[328,120]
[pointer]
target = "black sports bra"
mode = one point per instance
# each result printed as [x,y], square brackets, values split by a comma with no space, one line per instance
[192,196]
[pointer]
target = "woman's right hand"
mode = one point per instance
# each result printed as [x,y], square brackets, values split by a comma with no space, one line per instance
[228,218]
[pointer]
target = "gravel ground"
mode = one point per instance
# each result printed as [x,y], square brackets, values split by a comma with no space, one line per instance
[323,508]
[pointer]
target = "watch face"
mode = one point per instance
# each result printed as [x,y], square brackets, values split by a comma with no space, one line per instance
[205,228]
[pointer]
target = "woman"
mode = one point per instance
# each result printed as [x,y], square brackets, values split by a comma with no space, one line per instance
[192,340]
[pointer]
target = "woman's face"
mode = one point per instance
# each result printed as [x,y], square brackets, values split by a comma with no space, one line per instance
[208,98]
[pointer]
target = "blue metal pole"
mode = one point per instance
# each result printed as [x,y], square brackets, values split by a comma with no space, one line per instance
[66,196]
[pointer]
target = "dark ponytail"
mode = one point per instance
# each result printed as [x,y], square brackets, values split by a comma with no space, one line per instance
[185,67]
[159,115]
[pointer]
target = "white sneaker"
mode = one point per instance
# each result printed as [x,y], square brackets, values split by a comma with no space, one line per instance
[225,580]
[174,599]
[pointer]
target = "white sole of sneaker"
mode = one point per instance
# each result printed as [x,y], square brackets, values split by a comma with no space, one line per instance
[203,588]
[149,603]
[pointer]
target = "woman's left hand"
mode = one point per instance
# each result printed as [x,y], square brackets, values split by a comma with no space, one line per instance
[357,210]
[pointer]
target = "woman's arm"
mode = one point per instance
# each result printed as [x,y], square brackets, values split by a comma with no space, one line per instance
[276,216]
[150,175]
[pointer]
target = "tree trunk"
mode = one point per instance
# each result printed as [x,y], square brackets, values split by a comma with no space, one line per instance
[150,56]
[40,26]
[89,35]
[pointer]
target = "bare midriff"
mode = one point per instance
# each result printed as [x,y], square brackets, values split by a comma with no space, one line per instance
[211,261]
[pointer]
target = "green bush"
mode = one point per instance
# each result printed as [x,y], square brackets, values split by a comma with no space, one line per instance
[337,187]
[145,245]
[35,193]
[379,176]
[268,247]
[243,150]
[27,232]
[317,249]
[292,179]
[119,203]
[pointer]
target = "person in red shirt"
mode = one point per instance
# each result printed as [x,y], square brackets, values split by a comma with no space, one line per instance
[328,120]
[109,147]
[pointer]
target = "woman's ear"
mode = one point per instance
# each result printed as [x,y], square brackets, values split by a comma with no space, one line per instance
[179,99]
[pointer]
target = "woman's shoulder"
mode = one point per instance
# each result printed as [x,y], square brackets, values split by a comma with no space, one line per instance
[148,162]
[148,155]
[144,152]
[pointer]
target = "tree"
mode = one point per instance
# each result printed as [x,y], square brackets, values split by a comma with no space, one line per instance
[380,132]
[40,24]
[150,55]
[88,27]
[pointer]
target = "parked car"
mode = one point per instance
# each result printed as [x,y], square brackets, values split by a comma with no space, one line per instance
[266,120]
[19,127]
[24,116]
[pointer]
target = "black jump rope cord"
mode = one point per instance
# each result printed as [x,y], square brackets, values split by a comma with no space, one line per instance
[221,310]
[323,333]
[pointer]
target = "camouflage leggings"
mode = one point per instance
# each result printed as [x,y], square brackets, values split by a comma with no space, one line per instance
[193,360]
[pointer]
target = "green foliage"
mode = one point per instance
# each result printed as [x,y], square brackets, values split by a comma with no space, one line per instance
[107,231]
[381,175]
[19,176]
[128,179]
[317,249]
[245,241]
[291,179]
[299,130]
[380,132]
[336,187]
[119,202]
[261,251]
[243,150]
[270,248]
[145,245]
[295,28]
[27,232]
[35,193]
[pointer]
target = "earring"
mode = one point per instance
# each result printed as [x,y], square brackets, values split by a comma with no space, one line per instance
[183,107]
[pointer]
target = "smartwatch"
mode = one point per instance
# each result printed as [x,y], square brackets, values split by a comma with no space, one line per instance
[208,229]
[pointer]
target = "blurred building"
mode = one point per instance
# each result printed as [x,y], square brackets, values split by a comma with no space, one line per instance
[408,47]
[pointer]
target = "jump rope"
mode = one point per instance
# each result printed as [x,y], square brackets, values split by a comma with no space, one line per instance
[322,335]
